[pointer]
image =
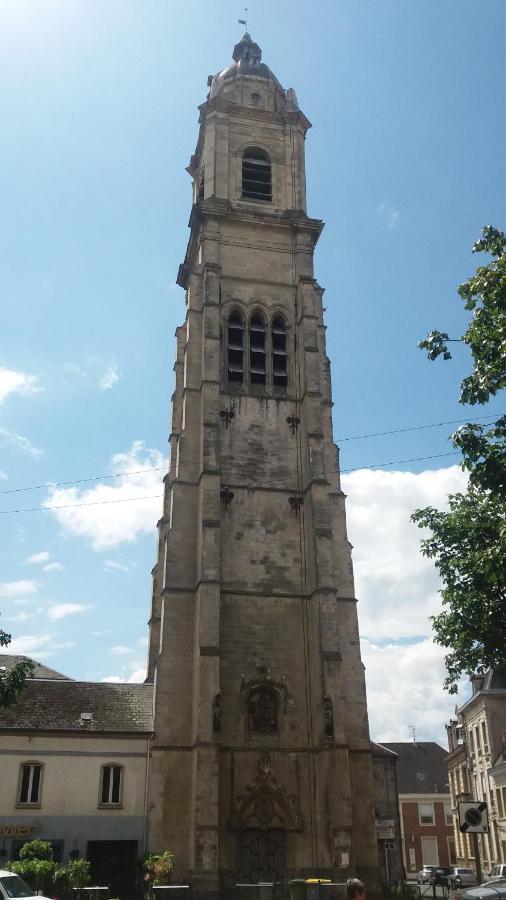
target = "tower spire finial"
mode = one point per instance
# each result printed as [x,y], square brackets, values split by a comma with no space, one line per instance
[245,20]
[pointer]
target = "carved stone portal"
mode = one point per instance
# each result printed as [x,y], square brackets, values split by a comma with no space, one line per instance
[265,804]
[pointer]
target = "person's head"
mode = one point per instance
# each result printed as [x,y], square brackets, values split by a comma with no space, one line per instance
[355,889]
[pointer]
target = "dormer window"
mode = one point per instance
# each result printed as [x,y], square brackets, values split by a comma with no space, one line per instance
[257,349]
[256,175]
[235,348]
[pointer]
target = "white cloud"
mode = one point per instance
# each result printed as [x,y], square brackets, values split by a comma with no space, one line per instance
[113,522]
[53,567]
[111,565]
[12,382]
[37,559]
[61,610]
[109,378]
[13,589]
[20,617]
[42,645]
[74,369]
[20,442]
[120,651]
[3,476]
[404,688]
[389,214]
[136,677]
[396,586]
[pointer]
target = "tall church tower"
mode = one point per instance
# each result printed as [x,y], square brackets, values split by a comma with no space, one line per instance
[261,764]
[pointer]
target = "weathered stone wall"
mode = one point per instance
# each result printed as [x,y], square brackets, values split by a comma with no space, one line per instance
[256,588]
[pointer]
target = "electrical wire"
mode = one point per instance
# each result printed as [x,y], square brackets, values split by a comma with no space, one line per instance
[392,462]
[361,437]
[6,512]
[358,437]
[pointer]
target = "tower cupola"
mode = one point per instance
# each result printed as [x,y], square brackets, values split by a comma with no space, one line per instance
[247,56]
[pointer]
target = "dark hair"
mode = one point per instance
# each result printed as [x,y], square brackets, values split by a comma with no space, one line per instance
[354,888]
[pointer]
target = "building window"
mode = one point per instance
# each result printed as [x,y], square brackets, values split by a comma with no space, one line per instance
[279,357]
[111,785]
[256,175]
[30,784]
[448,814]
[257,351]
[235,347]
[426,812]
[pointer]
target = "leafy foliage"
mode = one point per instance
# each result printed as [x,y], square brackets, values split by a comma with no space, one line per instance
[468,542]
[37,867]
[37,850]
[159,866]
[12,680]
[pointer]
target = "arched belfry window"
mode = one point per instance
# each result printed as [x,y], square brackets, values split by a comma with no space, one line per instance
[235,347]
[256,174]
[257,349]
[279,357]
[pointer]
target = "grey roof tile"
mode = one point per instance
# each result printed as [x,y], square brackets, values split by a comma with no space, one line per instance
[57,706]
[40,671]
[421,767]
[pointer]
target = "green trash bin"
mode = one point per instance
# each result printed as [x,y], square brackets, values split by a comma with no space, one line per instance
[298,889]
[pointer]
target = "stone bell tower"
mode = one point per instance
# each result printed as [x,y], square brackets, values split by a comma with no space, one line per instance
[261,764]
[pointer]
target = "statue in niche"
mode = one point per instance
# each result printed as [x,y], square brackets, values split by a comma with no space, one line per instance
[217,715]
[263,709]
[328,717]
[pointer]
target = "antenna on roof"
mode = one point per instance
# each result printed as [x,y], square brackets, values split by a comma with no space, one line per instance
[412,729]
[245,20]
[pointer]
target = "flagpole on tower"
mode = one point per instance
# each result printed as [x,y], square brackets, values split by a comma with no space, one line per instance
[245,20]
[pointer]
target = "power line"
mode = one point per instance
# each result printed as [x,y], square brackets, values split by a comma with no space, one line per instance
[53,484]
[361,437]
[8,512]
[392,462]
[358,437]
[399,462]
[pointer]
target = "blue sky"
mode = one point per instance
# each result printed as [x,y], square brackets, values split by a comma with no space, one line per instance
[405,164]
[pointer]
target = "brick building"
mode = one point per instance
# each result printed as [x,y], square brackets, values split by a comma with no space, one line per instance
[477,766]
[425,805]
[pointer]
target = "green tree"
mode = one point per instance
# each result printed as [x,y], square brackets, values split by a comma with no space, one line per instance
[468,541]
[12,680]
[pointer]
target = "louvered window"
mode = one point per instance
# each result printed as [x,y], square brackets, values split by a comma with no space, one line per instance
[235,348]
[279,357]
[30,784]
[111,785]
[256,175]
[257,351]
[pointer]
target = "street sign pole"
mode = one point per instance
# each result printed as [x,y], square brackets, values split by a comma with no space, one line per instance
[477,859]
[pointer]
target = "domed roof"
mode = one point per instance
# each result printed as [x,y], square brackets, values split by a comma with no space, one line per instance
[247,57]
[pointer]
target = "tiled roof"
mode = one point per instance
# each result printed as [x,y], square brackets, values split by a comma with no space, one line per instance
[421,767]
[382,750]
[40,670]
[58,705]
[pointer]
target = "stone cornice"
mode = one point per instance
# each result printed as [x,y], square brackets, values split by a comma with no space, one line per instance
[215,209]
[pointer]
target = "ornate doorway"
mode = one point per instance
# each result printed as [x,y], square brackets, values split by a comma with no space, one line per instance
[262,855]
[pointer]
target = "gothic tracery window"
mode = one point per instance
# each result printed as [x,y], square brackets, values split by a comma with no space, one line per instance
[256,175]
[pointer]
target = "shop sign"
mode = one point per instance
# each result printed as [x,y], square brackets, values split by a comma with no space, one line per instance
[15,830]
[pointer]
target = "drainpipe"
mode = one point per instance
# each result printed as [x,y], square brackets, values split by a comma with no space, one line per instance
[145,838]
